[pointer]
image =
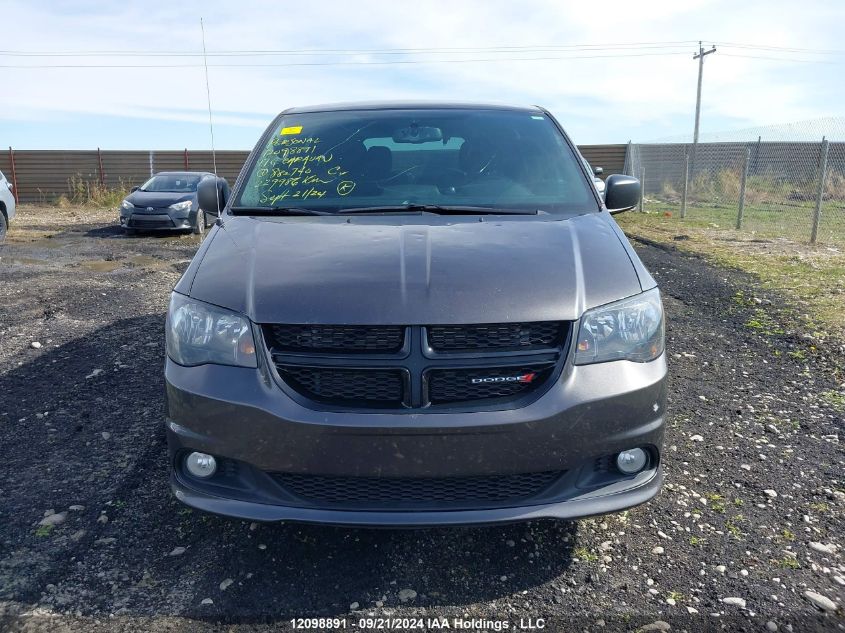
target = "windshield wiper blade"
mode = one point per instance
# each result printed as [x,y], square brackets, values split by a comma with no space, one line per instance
[277,211]
[438,209]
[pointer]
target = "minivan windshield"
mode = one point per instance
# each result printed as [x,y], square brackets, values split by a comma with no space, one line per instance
[177,183]
[340,161]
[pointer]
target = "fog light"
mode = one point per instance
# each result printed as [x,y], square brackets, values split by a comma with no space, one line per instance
[631,461]
[201,465]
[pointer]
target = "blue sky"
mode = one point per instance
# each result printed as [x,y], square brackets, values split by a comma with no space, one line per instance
[603,95]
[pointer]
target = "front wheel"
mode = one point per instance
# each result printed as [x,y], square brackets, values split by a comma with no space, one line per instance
[199,223]
[4,225]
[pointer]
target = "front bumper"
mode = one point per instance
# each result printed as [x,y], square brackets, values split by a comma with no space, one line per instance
[158,220]
[590,413]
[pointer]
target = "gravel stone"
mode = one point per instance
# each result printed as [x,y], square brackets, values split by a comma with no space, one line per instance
[57,518]
[407,594]
[736,602]
[822,602]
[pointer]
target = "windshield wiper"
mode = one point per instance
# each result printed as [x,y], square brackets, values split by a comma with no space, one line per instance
[277,211]
[438,209]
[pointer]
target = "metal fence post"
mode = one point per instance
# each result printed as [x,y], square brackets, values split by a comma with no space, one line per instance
[742,189]
[14,175]
[820,193]
[100,165]
[686,185]
[642,188]
[187,164]
[151,164]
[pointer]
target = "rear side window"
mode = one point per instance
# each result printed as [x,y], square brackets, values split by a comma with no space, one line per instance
[347,159]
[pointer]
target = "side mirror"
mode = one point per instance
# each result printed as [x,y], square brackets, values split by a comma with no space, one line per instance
[213,194]
[621,193]
[134,189]
[598,171]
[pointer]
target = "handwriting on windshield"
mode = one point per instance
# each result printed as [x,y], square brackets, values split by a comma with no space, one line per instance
[295,168]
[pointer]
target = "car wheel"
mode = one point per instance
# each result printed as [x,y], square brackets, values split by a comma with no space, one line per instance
[3,227]
[199,223]
[128,231]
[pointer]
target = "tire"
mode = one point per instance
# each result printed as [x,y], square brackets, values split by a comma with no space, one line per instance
[199,223]
[127,231]
[4,226]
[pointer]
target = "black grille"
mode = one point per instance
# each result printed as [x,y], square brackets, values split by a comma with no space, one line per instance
[496,336]
[336,338]
[418,367]
[141,222]
[471,384]
[370,387]
[412,492]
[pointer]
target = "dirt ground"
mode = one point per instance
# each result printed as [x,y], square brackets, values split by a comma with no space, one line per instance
[748,533]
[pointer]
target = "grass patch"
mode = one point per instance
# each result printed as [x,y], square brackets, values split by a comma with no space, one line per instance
[676,596]
[834,399]
[732,526]
[44,530]
[586,555]
[716,502]
[788,562]
[810,277]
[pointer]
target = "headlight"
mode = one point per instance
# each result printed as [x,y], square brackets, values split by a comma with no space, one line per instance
[631,329]
[180,206]
[199,333]
[128,206]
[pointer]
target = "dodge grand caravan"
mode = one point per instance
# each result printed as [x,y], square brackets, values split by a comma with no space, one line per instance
[415,314]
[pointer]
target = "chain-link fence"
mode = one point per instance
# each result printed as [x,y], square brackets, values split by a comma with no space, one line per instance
[781,181]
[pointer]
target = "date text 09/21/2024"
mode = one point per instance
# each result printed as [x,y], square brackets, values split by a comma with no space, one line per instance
[411,623]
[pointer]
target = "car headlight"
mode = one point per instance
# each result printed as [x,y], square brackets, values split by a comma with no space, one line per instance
[126,205]
[180,206]
[631,329]
[199,333]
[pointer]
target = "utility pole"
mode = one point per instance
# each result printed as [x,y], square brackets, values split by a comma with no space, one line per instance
[700,57]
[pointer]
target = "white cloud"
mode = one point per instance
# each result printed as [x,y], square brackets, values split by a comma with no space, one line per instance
[599,100]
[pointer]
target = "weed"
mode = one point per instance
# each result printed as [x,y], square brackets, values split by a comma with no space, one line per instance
[716,502]
[586,555]
[44,530]
[788,562]
[834,399]
[674,595]
[787,535]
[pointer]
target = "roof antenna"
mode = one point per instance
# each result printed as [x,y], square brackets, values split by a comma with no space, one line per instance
[210,124]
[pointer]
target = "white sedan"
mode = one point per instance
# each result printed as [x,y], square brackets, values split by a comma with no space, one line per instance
[7,205]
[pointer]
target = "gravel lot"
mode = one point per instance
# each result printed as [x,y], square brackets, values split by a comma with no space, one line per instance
[748,533]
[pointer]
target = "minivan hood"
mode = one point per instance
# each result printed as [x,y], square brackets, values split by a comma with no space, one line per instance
[393,270]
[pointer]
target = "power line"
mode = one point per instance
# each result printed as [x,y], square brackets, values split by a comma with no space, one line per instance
[346,63]
[786,49]
[782,59]
[339,51]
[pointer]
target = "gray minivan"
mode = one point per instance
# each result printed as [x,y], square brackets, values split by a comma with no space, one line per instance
[415,314]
